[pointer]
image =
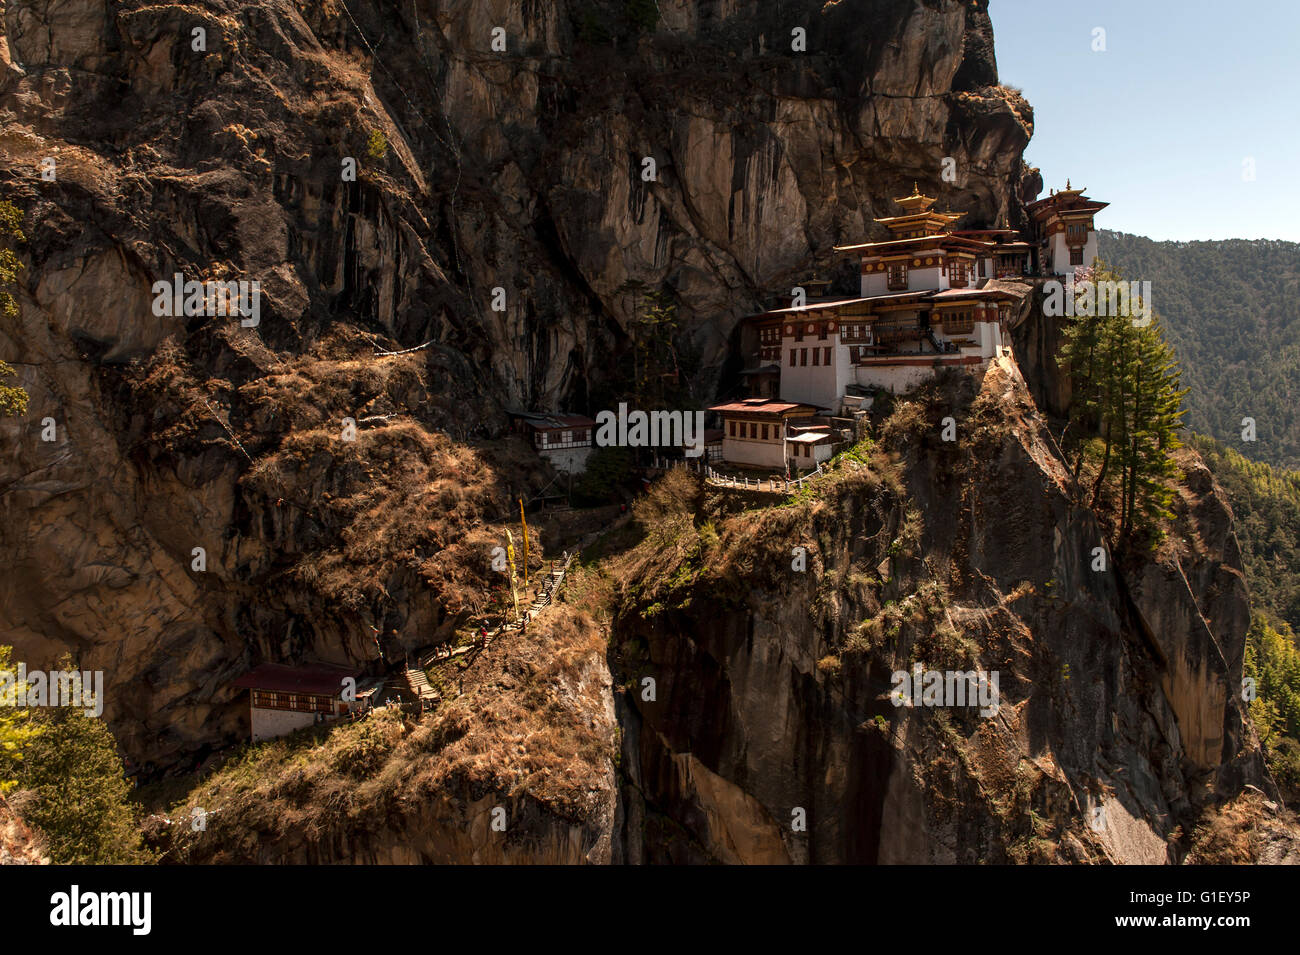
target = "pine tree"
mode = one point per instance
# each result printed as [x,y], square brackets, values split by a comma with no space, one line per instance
[76,792]
[1125,396]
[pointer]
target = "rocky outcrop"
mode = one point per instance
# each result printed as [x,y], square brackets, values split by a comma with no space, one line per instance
[773,685]
[217,142]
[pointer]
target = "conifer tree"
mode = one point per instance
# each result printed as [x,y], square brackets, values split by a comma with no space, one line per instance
[1126,398]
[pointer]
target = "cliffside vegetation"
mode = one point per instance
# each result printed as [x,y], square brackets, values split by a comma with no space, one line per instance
[65,778]
[1266,505]
[1124,415]
[13,401]
[1273,662]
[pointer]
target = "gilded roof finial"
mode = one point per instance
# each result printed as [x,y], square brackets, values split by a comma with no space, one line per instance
[1067,183]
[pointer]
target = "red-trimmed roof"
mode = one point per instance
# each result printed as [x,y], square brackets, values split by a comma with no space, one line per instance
[837,303]
[317,679]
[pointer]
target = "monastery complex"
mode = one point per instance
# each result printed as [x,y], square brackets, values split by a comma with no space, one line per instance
[932,297]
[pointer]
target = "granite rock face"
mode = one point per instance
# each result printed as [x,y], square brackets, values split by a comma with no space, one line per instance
[774,737]
[385,173]
[213,142]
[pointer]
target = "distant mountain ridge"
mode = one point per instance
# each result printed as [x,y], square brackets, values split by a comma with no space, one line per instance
[1231,312]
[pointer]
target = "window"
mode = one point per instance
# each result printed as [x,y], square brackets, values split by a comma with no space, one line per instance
[897,276]
[1076,256]
[957,274]
[764,432]
[826,355]
[817,356]
[731,428]
[984,268]
[803,357]
[957,323]
[753,429]
[792,357]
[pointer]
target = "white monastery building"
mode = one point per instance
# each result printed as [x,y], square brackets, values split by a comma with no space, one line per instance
[930,299]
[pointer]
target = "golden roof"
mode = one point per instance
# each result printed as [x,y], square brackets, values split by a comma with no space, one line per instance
[916,202]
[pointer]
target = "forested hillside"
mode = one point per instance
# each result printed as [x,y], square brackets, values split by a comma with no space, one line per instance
[1230,310]
[1266,504]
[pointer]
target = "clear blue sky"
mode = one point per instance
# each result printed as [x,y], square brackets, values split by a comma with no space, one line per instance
[1160,123]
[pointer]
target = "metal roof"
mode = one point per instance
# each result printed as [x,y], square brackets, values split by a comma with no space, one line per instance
[544,421]
[316,679]
[762,406]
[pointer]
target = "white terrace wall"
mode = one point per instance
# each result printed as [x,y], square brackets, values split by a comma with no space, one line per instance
[268,724]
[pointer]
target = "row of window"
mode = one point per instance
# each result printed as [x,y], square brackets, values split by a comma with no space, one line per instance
[754,430]
[959,274]
[267,700]
[820,356]
[958,323]
[823,331]
[563,437]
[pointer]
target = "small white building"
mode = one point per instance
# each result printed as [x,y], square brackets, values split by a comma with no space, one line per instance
[563,439]
[286,698]
[755,430]
[807,447]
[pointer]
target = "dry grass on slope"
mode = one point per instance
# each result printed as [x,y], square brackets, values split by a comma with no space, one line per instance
[531,723]
[404,503]
[697,537]
[1249,830]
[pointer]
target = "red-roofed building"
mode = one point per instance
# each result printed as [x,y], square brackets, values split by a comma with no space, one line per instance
[284,698]
[754,430]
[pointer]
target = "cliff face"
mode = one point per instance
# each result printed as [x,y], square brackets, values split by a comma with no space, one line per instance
[772,735]
[211,142]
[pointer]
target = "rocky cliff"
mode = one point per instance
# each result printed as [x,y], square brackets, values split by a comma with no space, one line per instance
[181,501]
[773,736]
[216,142]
